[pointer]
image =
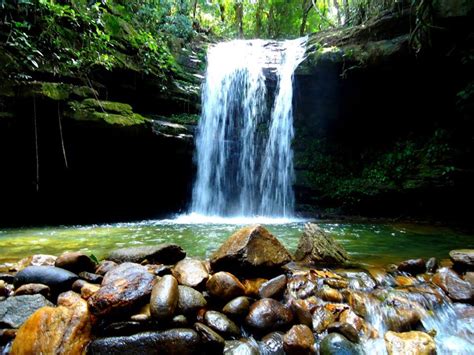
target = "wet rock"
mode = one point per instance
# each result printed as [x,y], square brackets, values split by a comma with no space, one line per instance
[321,319]
[358,302]
[359,280]
[179,321]
[179,341]
[90,277]
[273,343]
[301,287]
[337,283]
[58,280]
[123,287]
[404,281]
[299,340]
[469,277]
[87,290]
[159,254]
[302,312]
[77,285]
[105,266]
[252,286]
[268,314]
[143,315]
[65,329]
[273,288]
[7,278]
[225,286]
[238,307]
[250,249]
[75,262]
[463,259]
[7,335]
[330,294]
[456,288]
[122,328]
[190,300]
[432,265]
[412,266]
[164,298]
[337,344]
[190,272]
[162,270]
[413,342]
[240,347]
[35,260]
[3,289]
[317,247]
[345,329]
[14,311]
[33,289]
[211,341]
[220,323]
[348,316]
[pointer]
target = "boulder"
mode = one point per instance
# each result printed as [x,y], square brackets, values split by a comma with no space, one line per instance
[338,344]
[221,324]
[273,287]
[268,314]
[14,311]
[124,287]
[414,342]
[412,266]
[299,340]
[158,254]
[179,341]
[190,300]
[225,286]
[65,329]
[463,259]
[75,262]
[319,248]
[456,288]
[164,298]
[58,280]
[190,272]
[250,249]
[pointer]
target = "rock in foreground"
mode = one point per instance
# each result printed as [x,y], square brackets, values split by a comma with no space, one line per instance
[413,342]
[14,311]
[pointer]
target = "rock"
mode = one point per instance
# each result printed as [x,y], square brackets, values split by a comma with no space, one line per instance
[358,302]
[348,316]
[432,265]
[77,285]
[221,324]
[3,289]
[337,283]
[105,266]
[179,341]
[225,286]
[212,342]
[359,280]
[14,311]
[190,300]
[273,343]
[337,344]
[463,259]
[252,286]
[75,262]
[122,328]
[319,248]
[7,278]
[456,288]
[35,260]
[302,312]
[240,347]
[190,272]
[299,340]
[65,329]
[414,342]
[123,287]
[143,315]
[250,249]
[162,270]
[90,277]
[159,254]
[345,329]
[469,278]
[179,321]
[273,288]
[164,298]
[7,335]
[412,266]
[238,307]
[268,314]
[33,289]
[404,281]
[88,290]
[330,294]
[322,318]
[58,280]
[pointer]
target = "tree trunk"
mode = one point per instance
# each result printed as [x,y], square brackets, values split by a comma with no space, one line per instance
[336,5]
[195,2]
[239,16]
[258,18]
[306,6]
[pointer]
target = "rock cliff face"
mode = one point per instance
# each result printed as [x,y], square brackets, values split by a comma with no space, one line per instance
[383,117]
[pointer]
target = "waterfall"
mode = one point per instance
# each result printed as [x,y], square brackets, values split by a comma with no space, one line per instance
[243,143]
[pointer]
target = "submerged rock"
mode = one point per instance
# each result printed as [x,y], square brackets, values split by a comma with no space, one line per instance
[75,262]
[14,311]
[268,314]
[413,342]
[456,288]
[65,329]
[337,344]
[57,279]
[250,249]
[190,272]
[225,286]
[179,341]
[164,298]
[319,248]
[123,287]
[299,340]
[463,259]
[159,254]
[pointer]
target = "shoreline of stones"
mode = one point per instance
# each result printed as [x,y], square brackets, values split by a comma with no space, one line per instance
[251,297]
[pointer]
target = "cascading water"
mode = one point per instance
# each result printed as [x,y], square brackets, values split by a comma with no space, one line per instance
[244,155]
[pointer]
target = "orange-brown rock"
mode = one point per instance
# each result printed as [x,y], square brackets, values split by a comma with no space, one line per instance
[65,329]
[190,272]
[252,286]
[225,286]
[413,343]
[250,249]
[299,340]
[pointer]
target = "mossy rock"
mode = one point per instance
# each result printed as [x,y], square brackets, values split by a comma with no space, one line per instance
[56,91]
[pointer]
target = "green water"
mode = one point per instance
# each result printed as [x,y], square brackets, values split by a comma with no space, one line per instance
[373,244]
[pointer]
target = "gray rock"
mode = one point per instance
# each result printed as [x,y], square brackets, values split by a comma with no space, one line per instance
[221,324]
[190,272]
[105,266]
[159,254]
[456,288]
[240,347]
[273,343]
[58,280]
[14,311]
[164,298]
[179,341]
[337,344]
[318,248]
[273,288]
[190,300]
[463,259]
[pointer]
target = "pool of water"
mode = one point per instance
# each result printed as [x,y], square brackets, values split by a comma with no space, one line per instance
[373,244]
